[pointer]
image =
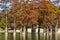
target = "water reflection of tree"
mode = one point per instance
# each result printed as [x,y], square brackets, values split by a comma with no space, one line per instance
[38,36]
[53,33]
[33,36]
[26,36]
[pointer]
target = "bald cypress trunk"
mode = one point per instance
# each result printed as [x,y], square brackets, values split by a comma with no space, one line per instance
[33,29]
[56,29]
[14,33]
[53,33]
[26,30]
[38,29]
[6,33]
[6,29]
[38,32]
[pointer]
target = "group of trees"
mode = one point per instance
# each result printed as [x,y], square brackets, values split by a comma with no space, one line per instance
[31,14]
[42,14]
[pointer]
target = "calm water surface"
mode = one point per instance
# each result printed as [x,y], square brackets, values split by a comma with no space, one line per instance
[28,36]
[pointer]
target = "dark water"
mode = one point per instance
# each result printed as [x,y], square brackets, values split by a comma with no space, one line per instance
[27,36]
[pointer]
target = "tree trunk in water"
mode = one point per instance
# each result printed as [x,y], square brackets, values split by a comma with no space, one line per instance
[38,32]
[38,29]
[23,30]
[48,29]
[44,33]
[33,29]
[6,33]
[56,29]
[26,34]
[33,36]
[14,34]
[21,33]
[53,33]
[26,30]
[50,32]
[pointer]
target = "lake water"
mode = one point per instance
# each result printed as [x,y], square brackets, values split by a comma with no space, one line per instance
[27,36]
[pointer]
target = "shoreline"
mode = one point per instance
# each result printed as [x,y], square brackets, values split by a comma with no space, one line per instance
[28,30]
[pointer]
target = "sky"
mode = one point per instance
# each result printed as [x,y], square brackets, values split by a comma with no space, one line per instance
[8,5]
[57,3]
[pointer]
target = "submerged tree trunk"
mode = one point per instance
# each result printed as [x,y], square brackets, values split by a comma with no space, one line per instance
[50,32]
[14,33]
[53,33]
[6,29]
[26,34]
[33,29]
[38,29]
[44,33]
[38,32]
[56,29]
[26,30]
[6,33]
[33,36]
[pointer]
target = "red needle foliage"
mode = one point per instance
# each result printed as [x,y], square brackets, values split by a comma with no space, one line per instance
[34,13]
[29,15]
[49,12]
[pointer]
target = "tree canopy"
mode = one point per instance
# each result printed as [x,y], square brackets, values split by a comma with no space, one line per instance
[43,13]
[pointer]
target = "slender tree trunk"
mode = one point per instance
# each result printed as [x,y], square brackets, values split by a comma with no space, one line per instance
[50,32]
[33,29]
[47,33]
[38,29]
[56,29]
[44,33]
[53,33]
[38,32]
[14,34]
[6,33]
[21,33]
[26,34]
[26,30]
[33,36]
[6,29]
